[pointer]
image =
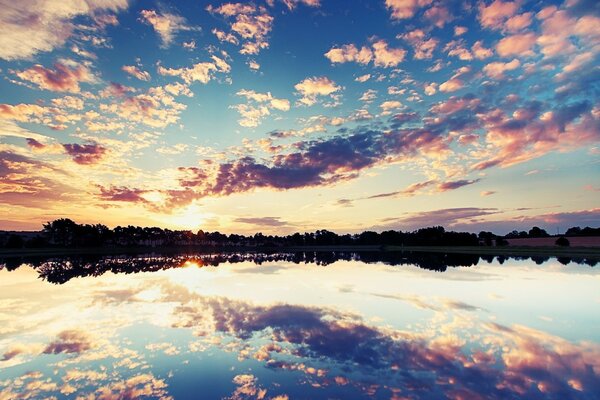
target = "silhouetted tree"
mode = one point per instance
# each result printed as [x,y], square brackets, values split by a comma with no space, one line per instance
[562,241]
[537,232]
[61,231]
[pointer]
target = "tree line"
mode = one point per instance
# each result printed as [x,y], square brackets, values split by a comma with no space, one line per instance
[65,232]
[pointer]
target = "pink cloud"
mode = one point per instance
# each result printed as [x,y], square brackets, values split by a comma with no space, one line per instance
[438,16]
[422,45]
[85,154]
[70,341]
[497,69]
[528,135]
[60,79]
[136,72]
[165,24]
[251,24]
[451,85]
[496,13]
[381,54]
[385,56]
[350,53]
[516,45]
[404,9]
[480,52]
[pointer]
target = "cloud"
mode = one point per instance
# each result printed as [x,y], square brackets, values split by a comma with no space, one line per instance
[404,9]
[28,182]
[261,104]
[350,53]
[452,185]
[136,72]
[380,54]
[28,27]
[416,188]
[516,45]
[262,221]
[70,341]
[21,113]
[165,24]
[19,349]
[320,162]
[202,72]
[430,89]
[389,105]
[35,144]
[451,85]
[60,79]
[447,217]
[85,154]
[116,193]
[251,25]
[480,52]
[409,191]
[423,46]
[438,15]
[155,107]
[291,4]
[387,57]
[312,88]
[460,30]
[368,96]
[547,221]
[71,102]
[518,22]
[497,69]
[528,134]
[251,115]
[496,13]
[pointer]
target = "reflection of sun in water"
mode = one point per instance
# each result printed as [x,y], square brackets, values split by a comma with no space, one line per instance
[191,264]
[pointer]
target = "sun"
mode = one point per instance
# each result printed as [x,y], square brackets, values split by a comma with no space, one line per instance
[190,217]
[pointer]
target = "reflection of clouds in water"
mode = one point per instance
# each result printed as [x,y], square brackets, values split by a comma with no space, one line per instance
[505,362]
[247,388]
[70,341]
[455,355]
[424,303]
[35,385]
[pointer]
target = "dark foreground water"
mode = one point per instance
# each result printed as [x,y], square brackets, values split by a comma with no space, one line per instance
[299,326]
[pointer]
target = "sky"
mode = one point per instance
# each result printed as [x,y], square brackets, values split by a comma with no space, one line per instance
[295,115]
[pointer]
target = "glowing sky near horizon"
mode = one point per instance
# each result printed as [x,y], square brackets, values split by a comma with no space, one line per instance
[293,115]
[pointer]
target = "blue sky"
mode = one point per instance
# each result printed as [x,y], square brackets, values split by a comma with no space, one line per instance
[301,114]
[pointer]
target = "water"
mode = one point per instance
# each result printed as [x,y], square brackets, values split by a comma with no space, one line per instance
[299,326]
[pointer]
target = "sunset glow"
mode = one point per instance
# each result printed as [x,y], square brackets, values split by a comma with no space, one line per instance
[294,115]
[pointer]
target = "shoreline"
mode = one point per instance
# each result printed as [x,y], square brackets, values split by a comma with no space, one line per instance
[544,251]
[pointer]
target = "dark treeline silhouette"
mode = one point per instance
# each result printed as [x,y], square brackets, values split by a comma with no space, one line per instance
[61,270]
[66,233]
[537,232]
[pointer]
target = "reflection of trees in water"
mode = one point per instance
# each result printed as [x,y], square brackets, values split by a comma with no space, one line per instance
[62,269]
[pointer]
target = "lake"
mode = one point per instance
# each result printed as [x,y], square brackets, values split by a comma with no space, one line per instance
[299,326]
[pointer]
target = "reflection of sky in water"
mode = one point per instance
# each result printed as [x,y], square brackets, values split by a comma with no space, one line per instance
[283,330]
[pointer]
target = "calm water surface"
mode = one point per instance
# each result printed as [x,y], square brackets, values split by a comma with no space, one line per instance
[299,326]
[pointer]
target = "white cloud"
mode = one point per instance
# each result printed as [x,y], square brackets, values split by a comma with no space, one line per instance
[28,27]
